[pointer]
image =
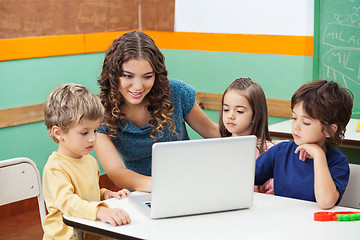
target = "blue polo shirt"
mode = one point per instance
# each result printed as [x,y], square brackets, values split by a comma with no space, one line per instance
[294,178]
[135,144]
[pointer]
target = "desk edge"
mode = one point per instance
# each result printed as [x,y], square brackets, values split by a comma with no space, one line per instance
[96,230]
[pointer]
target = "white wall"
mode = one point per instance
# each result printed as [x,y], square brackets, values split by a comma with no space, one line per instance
[269,17]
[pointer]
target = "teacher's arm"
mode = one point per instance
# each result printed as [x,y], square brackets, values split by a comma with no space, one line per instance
[201,123]
[115,168]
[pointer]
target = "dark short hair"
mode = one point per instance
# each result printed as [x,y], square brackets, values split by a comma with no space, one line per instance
[328,102]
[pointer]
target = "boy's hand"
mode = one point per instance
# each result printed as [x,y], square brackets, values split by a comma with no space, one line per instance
[308,151]
[113,216]
[119,194]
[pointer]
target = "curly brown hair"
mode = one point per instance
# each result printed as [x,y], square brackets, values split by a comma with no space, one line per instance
[135,45]
[329,103]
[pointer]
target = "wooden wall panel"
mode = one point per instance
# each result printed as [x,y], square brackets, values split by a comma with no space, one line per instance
[157,15]
[208,101]
[104,16]
[276,107]
[21,115]
[29,18]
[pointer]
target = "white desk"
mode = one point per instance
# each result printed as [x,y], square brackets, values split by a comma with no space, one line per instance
[270,217]
[282,130]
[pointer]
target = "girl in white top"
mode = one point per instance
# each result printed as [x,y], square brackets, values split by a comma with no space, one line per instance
[244,112]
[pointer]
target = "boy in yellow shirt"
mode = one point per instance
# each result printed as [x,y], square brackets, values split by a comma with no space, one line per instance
[71,175]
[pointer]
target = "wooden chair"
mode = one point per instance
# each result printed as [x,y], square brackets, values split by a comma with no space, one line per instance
[20,180]
[351,197]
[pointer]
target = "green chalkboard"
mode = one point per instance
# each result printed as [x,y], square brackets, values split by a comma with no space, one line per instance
[337,30]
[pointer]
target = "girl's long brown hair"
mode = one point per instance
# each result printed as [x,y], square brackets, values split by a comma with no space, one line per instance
[135,45]
[257,100]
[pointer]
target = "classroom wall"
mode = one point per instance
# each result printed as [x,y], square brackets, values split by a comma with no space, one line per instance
[25,18]
[278,17]
[46,43]
[29,81]
[272,21]
[212,44]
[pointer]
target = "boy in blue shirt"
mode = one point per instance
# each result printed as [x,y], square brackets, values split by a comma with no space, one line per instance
[310,167]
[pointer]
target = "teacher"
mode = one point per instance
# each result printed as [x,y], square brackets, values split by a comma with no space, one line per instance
[142,106]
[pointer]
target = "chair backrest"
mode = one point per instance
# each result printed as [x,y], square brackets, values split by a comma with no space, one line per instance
[351,197]
[20,180]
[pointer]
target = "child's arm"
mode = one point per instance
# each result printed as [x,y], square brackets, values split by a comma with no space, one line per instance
[264,169]
[119,194]
[326,193]
[59,193]
[114,216]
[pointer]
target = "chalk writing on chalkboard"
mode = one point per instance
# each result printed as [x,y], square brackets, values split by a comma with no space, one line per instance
[339,45]
[357,8]
[343,57]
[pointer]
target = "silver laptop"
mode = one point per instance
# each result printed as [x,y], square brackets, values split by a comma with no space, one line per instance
[200,176]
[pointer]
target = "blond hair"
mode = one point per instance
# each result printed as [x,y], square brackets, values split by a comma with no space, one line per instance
[68,105]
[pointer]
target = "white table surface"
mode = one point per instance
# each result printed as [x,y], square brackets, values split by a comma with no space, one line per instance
[352,137]
[270,217]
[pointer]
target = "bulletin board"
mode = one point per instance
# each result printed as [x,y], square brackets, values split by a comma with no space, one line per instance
[337,45]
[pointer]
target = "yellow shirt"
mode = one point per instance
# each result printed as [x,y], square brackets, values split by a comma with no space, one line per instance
[71,187]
